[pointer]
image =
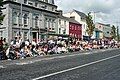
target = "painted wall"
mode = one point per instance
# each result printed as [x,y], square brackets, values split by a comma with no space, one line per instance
[75,30]
[78,19]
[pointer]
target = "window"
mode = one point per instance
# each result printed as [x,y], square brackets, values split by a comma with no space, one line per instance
[60,22]
[30,3]
[84,26]
[36,4]
[14,18]
[44,7]
[46,1]
[52,8]
[54,24]
[59,30]
[14,0]
[1,33]
[75,27]
[72,27]
[36,21]
[25,1]
[64,31]
[65,23]
[20,19]
[25,19]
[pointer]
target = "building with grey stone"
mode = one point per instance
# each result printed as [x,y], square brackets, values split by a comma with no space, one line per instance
[30,19]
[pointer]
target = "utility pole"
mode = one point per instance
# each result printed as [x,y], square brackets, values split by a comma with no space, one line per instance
[21,20]
[39,29]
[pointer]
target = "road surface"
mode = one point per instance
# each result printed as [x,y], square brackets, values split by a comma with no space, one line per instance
[93,65]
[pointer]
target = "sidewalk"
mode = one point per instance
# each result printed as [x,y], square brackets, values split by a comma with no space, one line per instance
[31,60]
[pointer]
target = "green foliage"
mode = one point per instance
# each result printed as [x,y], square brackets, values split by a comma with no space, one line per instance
[113,32]
[90,25]
[1,2]
[118,37]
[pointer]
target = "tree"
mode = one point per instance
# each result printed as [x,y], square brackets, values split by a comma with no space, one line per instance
[117,33]
[90,25]
[1,14]
[113,32]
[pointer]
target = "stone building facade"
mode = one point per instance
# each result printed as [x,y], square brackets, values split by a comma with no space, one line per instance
[29,19]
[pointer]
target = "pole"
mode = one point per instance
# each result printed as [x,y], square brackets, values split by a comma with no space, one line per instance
[94,17]
[117,23]
[21,20]
[39,30]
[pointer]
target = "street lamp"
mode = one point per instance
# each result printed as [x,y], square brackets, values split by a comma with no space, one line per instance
[39,30]
[94,21]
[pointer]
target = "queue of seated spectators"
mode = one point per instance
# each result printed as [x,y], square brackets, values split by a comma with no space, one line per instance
[19,49]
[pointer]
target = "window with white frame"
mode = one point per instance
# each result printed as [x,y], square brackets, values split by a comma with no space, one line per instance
[49,23]
[25,19]
[64,31]
[59,30]
[60,22]
[30,3]
[36,21]
[36,4]
[14,18]
[20,19]
[53,25]
[46,23]
[64,23]
[1,33]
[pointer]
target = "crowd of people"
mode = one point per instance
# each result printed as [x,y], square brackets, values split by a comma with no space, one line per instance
[19,49]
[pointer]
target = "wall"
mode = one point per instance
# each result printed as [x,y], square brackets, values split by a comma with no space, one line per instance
[75,30]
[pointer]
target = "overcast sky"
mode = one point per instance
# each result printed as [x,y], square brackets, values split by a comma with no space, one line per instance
[109,10]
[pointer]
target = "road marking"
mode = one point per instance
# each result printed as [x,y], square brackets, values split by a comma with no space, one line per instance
[63,71]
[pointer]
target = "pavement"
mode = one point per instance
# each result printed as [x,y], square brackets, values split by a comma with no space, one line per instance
[30,60]
[90,65]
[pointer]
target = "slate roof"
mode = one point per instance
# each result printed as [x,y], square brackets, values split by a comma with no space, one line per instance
[69,19]
[83,15]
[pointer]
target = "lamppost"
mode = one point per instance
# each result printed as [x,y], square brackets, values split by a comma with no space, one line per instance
[21,20]
[94,21]
[40,31]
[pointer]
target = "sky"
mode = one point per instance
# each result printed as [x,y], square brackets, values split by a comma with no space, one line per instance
[107,11]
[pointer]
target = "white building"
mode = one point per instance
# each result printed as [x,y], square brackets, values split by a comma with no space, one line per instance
[63,24]
[107,31]
[79,17]
[102,31]
[28,18]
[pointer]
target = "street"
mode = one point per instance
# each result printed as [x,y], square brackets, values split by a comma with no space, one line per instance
[93,65]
